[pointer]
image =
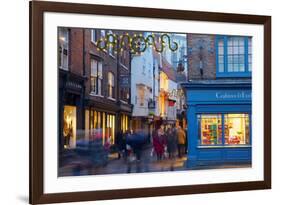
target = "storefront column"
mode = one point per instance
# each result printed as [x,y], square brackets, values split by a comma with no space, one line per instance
[191,135]
[60,124]
[80,112]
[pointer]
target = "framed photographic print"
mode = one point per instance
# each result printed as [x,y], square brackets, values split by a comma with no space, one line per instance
[139,102]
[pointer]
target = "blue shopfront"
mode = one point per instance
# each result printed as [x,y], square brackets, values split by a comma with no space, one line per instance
[219,122]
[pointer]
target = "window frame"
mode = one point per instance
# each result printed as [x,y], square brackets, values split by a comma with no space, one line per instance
[98,91]
[94,36]
[199,140]
[64,46]
[110,47]
[199,117]
[141,94]
[111,86]
[247,73]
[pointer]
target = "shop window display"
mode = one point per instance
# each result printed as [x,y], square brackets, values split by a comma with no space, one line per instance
[124,123]
[69,127]
[210,129]
[110,128]
[102,126]
[236,129]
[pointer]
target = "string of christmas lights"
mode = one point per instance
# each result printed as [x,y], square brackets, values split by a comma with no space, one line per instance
[137,43]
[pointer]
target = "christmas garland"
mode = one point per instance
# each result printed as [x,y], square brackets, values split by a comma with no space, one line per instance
[136,44]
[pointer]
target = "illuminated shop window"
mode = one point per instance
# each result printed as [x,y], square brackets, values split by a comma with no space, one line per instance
[69,127]
[236,129]
[96,125]
[110,129]
[224,129]
[124,123]
[101,125]
[210,129]
[87,124]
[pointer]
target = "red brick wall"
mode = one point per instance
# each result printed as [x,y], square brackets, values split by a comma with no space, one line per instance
[109,63]
[91,51]
[208,56]
[76,51]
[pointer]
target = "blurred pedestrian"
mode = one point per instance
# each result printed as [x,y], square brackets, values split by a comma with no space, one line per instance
[119,143]
[181,141]
[139,141]
[128,147]
[159,142]
[172,142]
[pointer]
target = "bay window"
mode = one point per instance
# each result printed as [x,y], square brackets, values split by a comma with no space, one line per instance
[234,56]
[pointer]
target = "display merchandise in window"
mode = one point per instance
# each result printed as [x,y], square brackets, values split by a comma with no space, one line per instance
[210,129]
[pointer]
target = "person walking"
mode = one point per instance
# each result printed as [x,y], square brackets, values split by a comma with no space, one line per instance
[172,142]
[159,142]
[181,141]
[119,143]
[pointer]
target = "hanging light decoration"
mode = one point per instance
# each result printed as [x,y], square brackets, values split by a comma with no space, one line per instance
[136,43]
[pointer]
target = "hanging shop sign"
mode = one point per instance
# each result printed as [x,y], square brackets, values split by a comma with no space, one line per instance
[124,81]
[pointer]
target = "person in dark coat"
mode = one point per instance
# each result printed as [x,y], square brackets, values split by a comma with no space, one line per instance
[119,143]
[172,142]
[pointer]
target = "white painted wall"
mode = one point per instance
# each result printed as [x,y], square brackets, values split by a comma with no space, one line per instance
[172,110]
[142,73]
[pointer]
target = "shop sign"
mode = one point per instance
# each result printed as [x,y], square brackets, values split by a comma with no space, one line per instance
[124,81]
[219,95]
[234,95]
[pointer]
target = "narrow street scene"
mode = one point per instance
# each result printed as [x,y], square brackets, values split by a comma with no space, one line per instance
[135,102]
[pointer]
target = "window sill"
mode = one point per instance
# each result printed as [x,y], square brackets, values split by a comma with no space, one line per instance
[124,66]
[123,101]
[234,75]
[112,56]
[110,98]
[94,42]
[96,95]
[64,68]
[103,50]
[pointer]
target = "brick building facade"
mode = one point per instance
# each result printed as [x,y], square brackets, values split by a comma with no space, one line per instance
[218,93]
[201,56]
[91,97]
